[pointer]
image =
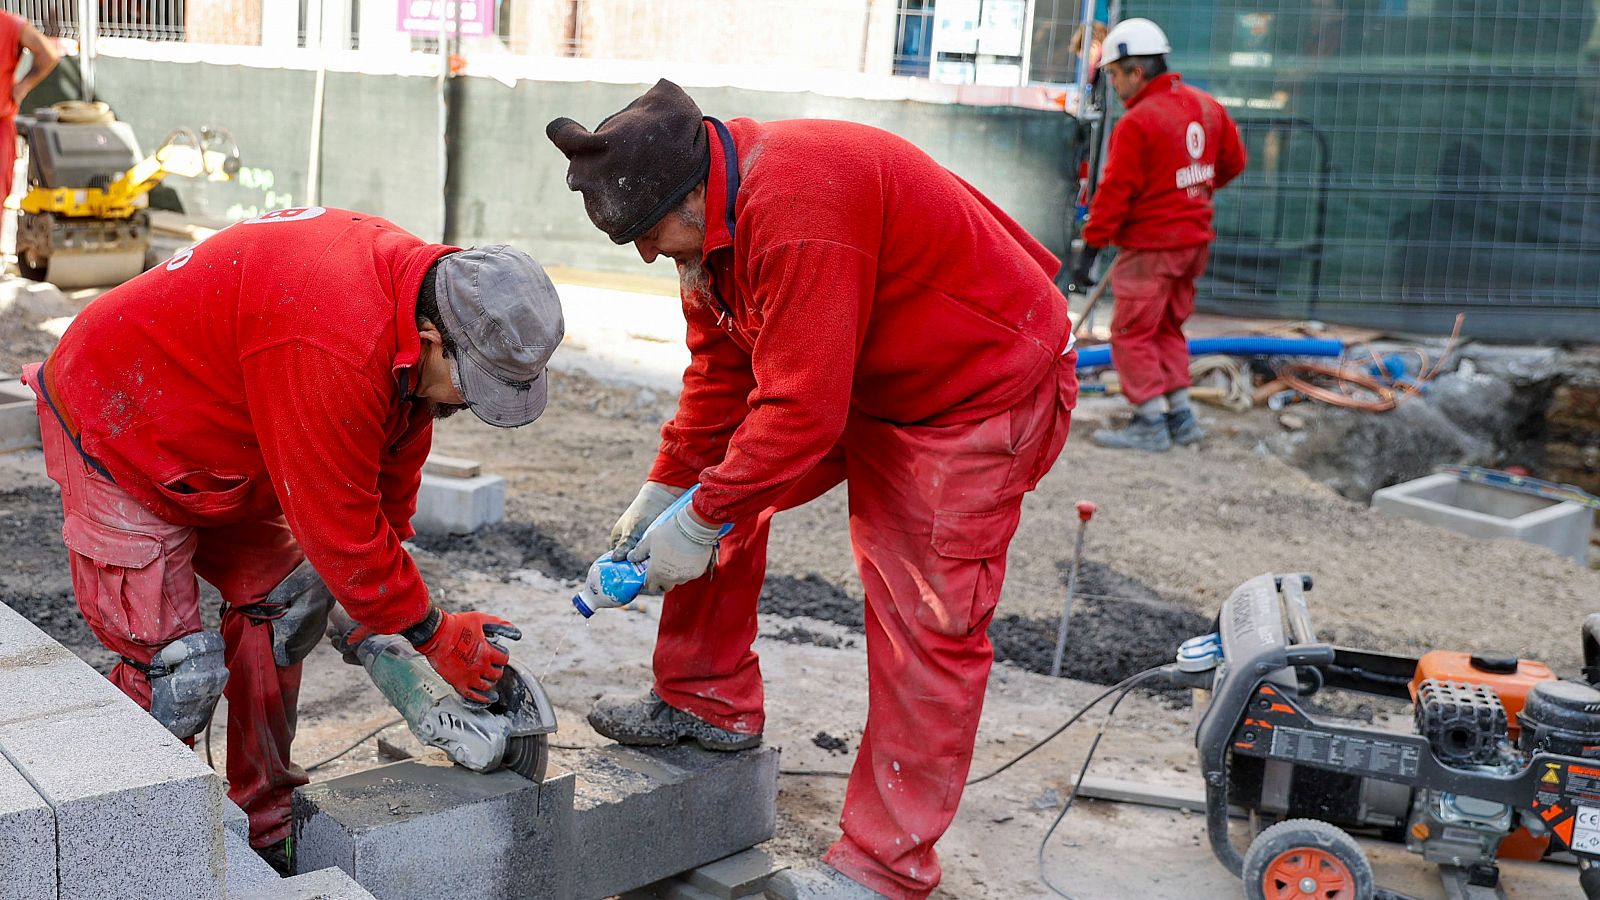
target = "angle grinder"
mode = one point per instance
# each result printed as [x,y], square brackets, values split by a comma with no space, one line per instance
[510,733]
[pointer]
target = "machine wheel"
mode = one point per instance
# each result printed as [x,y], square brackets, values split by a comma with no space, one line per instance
[1303,859]
[31,268]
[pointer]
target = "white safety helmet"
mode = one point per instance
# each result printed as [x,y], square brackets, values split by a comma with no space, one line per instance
[1133,37]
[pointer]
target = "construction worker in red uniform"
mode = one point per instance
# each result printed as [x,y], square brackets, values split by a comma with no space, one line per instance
[17,35]
[856,313]
[1171,151]
[256,412]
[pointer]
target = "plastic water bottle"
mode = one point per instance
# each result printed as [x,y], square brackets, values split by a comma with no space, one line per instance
[612,583]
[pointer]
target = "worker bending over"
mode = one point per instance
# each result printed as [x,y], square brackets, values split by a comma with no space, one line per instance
[256,412]
[1171,151]
[855,313]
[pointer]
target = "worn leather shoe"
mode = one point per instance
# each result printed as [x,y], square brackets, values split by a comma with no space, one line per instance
[649,722]
[818,882]
[1149,435]
[1184,427]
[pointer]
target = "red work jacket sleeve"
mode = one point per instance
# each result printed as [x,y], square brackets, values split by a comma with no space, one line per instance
[323,429]
[714,400]
[1231,156]
[1120,187]
[813,297]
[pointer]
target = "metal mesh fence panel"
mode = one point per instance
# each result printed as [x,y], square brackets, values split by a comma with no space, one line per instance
[1409,159]
[151,20]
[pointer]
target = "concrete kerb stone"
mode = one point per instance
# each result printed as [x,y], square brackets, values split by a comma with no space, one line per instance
[447,505]
[667,810]
[605,821]
[423,829]
[27,839]
[235,819]
[117,782]
[323,884]
[19,417]
[246,868]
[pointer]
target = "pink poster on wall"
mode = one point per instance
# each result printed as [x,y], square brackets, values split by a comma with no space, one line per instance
[422,16]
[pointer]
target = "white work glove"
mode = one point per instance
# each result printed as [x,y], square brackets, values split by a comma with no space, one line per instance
[653,500]
[679,549]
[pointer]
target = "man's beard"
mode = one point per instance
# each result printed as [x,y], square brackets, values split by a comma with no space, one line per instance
[446,410]
[693,281]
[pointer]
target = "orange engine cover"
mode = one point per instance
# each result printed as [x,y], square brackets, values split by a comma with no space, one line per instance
[1512,688]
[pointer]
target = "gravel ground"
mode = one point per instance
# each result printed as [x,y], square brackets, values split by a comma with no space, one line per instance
[1174,534]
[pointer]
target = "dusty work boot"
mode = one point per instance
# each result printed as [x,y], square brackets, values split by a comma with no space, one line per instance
[1141,433]
[1184,427]
[818,882]
[649,722]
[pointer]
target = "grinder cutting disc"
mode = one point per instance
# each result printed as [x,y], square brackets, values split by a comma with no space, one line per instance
[522,703]
[528,755]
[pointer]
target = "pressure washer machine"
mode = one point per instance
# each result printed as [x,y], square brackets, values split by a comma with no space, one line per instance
[1500,759]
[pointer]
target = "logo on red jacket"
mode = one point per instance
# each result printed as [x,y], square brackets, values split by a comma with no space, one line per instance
[292,214]
[1197,173]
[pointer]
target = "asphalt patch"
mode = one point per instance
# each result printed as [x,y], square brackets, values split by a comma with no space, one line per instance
[799,634]
[1119,625]
[505,547]
[835,745]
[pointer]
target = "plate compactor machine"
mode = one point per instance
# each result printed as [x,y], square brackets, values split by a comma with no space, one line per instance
[83,221]
[1501,759]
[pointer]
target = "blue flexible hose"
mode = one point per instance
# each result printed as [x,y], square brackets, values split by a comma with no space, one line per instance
[1244,345]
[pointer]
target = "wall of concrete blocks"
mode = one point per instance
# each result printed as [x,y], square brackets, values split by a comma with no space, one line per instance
[98,800]
[381,147]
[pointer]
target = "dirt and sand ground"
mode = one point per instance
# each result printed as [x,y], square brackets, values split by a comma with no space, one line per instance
[1174,534]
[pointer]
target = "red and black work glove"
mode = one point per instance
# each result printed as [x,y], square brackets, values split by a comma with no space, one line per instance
[458,646]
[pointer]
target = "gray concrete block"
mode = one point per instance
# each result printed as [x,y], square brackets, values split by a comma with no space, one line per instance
[119,784]
[744,874]
[245,868]
[425,829]
[27,839]
[119,789]
[448,505]
[235,819]
[1486,511]
[19,417]
[642,799]
[323,884]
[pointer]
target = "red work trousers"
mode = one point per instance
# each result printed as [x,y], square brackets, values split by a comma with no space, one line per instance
[932,511]
[134,576]
[1154,293]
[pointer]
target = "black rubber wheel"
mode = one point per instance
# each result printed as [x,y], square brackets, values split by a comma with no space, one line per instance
[1302,859]
[30,268]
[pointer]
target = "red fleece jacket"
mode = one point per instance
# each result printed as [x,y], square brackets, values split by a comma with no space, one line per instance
[266,370]
[849,273]
[1174,148]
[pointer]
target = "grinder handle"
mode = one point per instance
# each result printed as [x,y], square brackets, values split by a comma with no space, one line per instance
[1591,649]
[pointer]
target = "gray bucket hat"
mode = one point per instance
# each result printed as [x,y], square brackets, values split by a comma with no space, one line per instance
[505,318]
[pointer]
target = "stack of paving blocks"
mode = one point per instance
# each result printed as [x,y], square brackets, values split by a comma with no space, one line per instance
[98,800]
[457,498]
[605,821]
[19,422]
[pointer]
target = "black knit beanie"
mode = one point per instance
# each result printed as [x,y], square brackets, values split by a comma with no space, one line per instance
[639,164]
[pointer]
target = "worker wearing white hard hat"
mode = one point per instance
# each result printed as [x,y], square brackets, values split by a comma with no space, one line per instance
[1171,151]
